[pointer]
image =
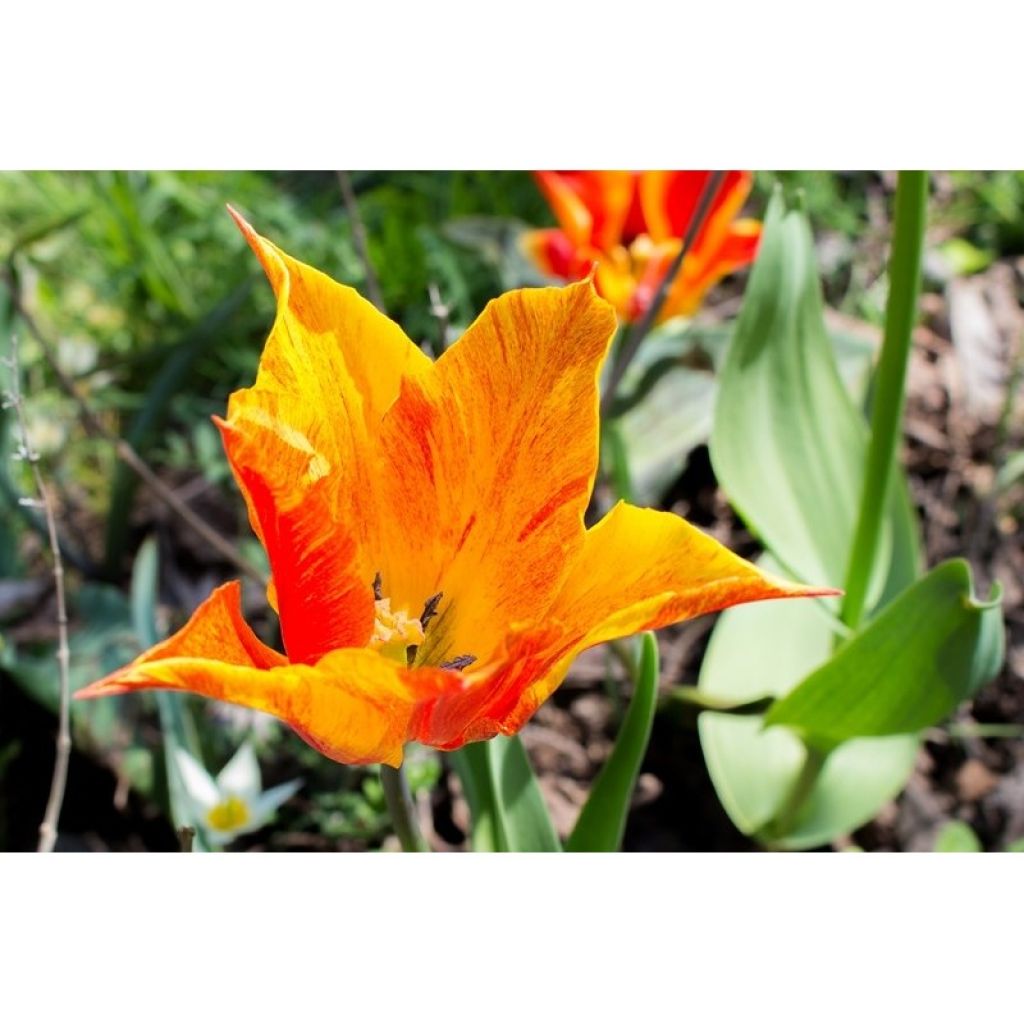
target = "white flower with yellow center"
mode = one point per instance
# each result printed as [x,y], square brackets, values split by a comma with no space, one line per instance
[233,803]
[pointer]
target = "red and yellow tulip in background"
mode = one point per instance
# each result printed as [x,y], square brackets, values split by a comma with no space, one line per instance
[424,525]
[630,224]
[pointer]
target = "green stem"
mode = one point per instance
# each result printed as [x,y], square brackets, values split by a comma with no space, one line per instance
[782,824]
[887,408]
[403,816]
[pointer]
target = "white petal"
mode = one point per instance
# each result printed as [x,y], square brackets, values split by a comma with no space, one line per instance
[199,785]
[265,804]
[241,775]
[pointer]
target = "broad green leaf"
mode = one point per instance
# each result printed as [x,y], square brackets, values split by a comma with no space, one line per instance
[764,649]
[175,722]
[505,802]
[602,821]
[910,668]
[957,837]
[787,443]
[659,433]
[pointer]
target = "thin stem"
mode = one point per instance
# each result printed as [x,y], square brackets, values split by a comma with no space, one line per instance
[48,828]
[348,195]
[442,314]
[890,378]
[400,807]
[810,771]
[643,326]
[124,451]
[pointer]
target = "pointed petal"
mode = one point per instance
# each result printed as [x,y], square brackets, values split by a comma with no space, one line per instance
[669,200]
[489,465]
[591,206]
[640,569]
[643,569]
[199,784]
[551,251]
[265,804]
[241,775]
[353,705]
[216,630]
[300,443]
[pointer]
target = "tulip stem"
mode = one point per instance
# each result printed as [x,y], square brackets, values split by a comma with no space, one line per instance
[795,800]
[403,815]
[890,378]
[628,351]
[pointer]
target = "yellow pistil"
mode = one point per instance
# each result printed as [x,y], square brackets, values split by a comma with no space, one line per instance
[394,632]
[229,815]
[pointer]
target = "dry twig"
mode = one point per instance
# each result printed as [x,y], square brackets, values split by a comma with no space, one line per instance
[359,236]
[25,452]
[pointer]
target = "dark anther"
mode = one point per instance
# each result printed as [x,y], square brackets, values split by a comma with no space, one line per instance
[410,655]
[378,588]
[461,662]
[430,608]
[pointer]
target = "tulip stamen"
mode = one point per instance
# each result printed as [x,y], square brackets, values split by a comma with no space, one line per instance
[378,588]
[459,663]
[430,608]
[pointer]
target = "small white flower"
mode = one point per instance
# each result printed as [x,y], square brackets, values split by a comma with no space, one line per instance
[232,804]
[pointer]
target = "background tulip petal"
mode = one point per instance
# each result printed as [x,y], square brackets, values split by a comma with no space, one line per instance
[592,207]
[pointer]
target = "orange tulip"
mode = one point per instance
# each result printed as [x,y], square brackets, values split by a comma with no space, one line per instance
[424,525]
[630,225]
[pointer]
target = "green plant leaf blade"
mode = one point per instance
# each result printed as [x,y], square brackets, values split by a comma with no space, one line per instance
[175,723]
[957,837]
[602,821]
[504,799]
[787,443]
[753,768]
[910,668]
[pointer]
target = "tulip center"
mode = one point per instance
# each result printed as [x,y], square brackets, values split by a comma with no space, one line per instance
[397,635]
[228,815]
[394,632]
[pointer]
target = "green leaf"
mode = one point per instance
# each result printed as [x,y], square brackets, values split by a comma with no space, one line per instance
[1017,846]
[505,802]
[908,669]
[602,821]
[787,443]
[659,432]
[615,456]
[957,837]
[767,648]
[176,724]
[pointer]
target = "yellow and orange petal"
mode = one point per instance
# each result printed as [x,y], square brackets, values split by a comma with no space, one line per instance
[470,476]
[301,444]
[353,705]
[639,569]
[487,463]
